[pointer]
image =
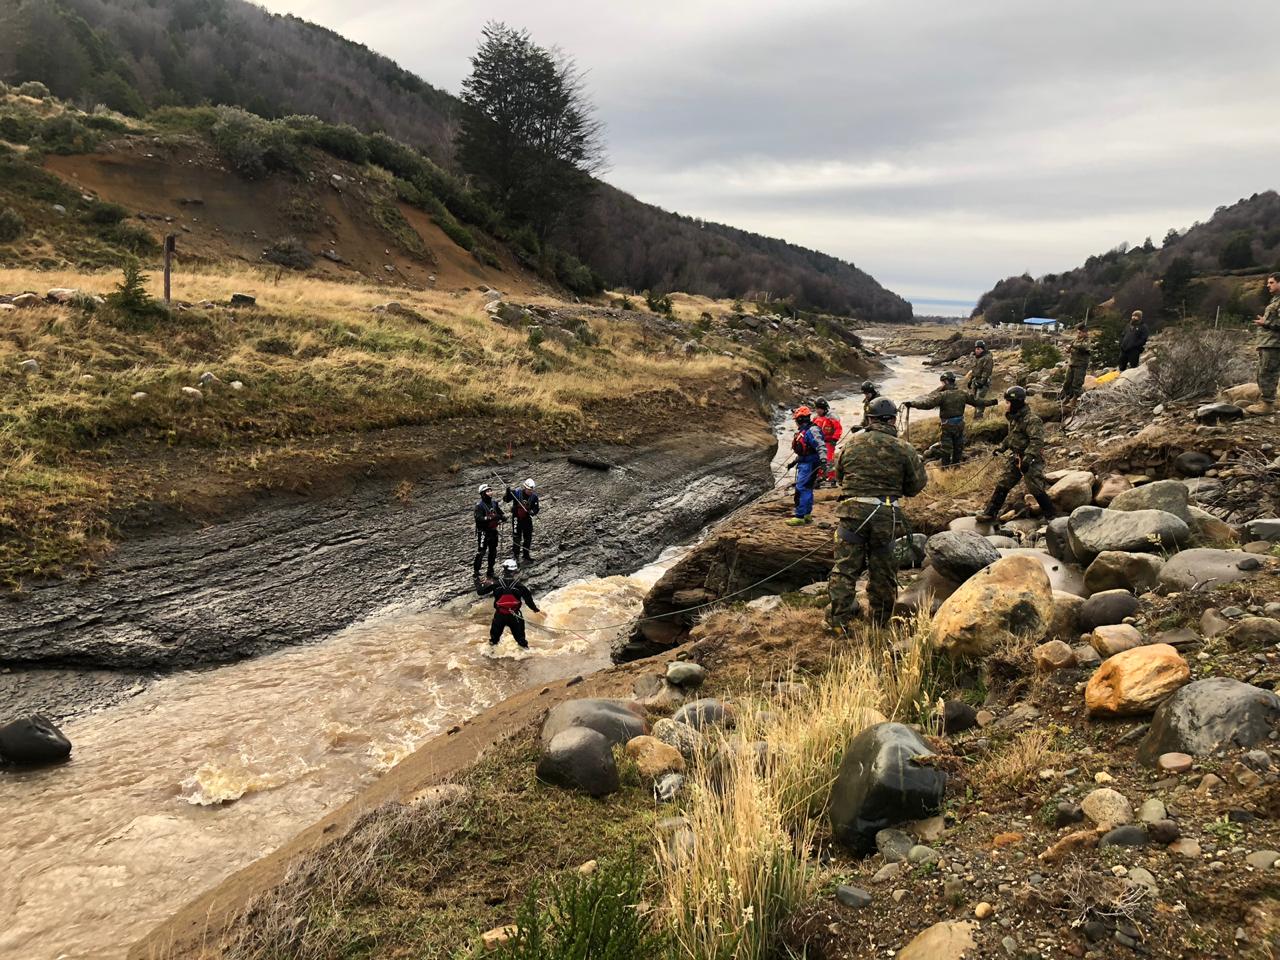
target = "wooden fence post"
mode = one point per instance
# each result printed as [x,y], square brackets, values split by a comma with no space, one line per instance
[170,243]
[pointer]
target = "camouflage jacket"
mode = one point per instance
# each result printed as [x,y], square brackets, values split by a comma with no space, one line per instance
[1026,434]
[982,368]
[950,402]
[875,463]
[1271,325]
[1080,353]
[866,408]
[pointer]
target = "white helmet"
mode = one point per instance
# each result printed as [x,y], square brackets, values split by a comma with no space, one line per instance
[529,484]
[510,566]
[484,488]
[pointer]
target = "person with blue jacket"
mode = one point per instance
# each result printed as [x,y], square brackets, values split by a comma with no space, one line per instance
[810,461]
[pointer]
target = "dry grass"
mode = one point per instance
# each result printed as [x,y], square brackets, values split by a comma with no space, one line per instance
[1017,764]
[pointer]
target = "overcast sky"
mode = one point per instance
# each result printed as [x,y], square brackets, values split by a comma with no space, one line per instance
[938,144]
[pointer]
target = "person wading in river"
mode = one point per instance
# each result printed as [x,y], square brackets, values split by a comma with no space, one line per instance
[1024,445]
[810,461]
[875,471]
[525,506]
[509,594]
[489,517]
[831,432]
[979,378]
[1268,350]
[950,402]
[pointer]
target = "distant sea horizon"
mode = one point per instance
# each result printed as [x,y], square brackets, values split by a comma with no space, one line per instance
[939,307]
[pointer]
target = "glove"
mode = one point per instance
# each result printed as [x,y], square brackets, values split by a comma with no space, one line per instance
[908,404]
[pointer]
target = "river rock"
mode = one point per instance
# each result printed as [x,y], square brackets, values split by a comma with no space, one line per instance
[668,787]
[1053,655]
[1267,528]
[1108,607]
[958,556]
[686,675]
[1075,489]
[1171,496]
[33,740]
[1110,487]
[617,720]
[894,844]
[1093,530]
[1203,489]
[1135,681]
[581,759]
[948,940]
[1114,638]
[653,758]
[1212,413]
[1206,529]
[1204,565]
[1086,656]
[679,735]
[1057,543]
[909,552]
[1118,570]
[1152,811]
[881,783]
[1061,575]
[958,716]
[1065,624]
[1210,715]
[1242,394]
[1003,543]
[705,713]
[1259,632]
[1107,808]
[1012,597]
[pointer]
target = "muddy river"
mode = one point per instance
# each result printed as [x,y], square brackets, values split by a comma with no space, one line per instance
[171,791]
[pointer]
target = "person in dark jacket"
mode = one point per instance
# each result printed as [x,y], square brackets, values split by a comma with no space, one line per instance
[509,594]
[525,506]
[1132,341]
[489,517]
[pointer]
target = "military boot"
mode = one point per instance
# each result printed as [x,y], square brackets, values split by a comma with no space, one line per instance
[1047,510]
[992,509]
[1261,408]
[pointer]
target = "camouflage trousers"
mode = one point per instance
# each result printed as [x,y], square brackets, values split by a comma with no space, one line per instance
[979,390]
[1268,372]
[1031,473]
[1073,386]
[952,443]
[864,542]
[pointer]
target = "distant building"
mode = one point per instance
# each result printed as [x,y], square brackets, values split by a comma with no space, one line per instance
[1041,324]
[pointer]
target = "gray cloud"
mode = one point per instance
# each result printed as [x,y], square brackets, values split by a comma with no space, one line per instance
[940,145]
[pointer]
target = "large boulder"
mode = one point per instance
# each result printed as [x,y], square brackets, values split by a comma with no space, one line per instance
[1205,565]
[1117,570]
[1062,576]
[928,590]
[1012,597]
[1065,624]
[704,714]
[1110,487]
[1135,681]
[1093,530]
[33,740]
[1210,715]
[1107,607]
[1264,528]
[1075,489]
[617,720]
[959,555]
[1171,496]
[581,759]
[881,782]
[1057,542]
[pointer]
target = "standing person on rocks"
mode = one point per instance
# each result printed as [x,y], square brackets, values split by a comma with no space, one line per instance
[1024,444]
[525,506]
[979,379]
[508,596]
[1077,366]
[489,517]
[810,461]
[950,402]
[875,470]
[869,393]
[832,430]
[1269,350]
[1132,341]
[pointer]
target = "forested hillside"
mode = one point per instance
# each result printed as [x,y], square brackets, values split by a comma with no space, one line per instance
[1203,270]
[136,56]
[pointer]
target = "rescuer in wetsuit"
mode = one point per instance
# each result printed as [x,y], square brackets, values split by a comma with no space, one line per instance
[489,517]
[508,596]
[832,430]
[525,506]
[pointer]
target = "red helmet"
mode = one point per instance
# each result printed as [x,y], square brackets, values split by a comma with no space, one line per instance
[801,412]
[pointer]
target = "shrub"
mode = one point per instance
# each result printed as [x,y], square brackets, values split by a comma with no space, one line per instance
[455,231]
[193,119]
[106,214]
[252,146]
[132,237]
[1237,252]
[1105,341]
[11,225]
[1040,354]
[658,304]
[66,135]
[290,252]
[33,88]
[106,123]
[130,306]
[19,126]
[340,140]
[1193,361]
[537,336]
[577,276]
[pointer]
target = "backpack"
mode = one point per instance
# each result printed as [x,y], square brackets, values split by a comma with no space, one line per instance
[802,445]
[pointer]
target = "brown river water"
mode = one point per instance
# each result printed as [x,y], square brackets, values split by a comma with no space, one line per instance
[170,792]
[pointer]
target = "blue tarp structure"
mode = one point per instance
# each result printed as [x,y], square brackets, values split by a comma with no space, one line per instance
[1039,321]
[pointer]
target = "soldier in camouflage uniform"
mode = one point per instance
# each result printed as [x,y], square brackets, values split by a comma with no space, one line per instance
[1077,366]
[875,469]
[1025,446]
[979,379]
[869,393]
[950,402]
[1269,349]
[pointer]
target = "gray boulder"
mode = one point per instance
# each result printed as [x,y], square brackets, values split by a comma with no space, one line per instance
[1171,496]
[1204,565]
[33,741]
[701,714]
[1211,413]
[1057,542]
[1267,528]
[1210,715]
[1117,570]
[685,674]
[1093,530]
[1193,463]
[1106,608]
[1073,489]
[616,720]
[881,783]
[1003,543]
[958,555]
[580,759]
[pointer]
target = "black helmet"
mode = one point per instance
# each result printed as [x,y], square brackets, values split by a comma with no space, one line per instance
[1017,397]
[821,404]
[948,376]
[868,386]
[882,408]
[980,343]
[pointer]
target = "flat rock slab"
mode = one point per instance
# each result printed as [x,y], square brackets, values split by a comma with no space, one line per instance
[949,940]
[1204,565]
[1093,530]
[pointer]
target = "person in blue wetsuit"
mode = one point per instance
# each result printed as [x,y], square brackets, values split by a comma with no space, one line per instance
[810,449]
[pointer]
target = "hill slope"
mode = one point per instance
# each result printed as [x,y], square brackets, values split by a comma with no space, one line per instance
[139,55]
